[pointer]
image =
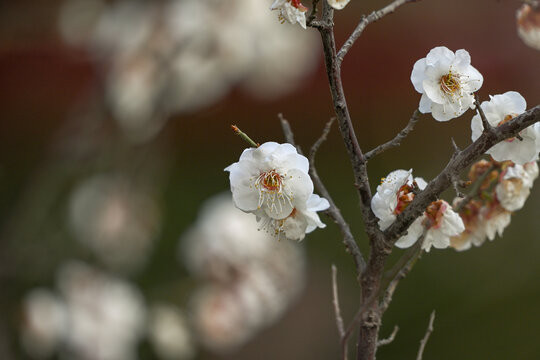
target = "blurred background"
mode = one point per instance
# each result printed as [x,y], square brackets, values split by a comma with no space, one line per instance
[117,236]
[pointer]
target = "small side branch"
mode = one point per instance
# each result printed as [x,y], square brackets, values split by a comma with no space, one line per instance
[485,123]
[366,20]
[389,339]
[333,211]
[337,311]
[397,140]
[424,341]
[312,13]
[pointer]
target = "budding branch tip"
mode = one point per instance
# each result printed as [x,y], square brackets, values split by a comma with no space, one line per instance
[244,136]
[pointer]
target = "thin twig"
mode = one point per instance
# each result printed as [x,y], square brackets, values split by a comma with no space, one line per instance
[397,140]
[244,136]
[365,21]
[312,13]
[424,341]
[474,189]
[322,138]
[389,339]
[399,272]
[485,123]
[337,311]
[288,133]
[335,301]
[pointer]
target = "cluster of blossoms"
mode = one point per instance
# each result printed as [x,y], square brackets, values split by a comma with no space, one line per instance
[438,223]
[178,56]
[528,24]
[248,278]
[502,188]
[272,182]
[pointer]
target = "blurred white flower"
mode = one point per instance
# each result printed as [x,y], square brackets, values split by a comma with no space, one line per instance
[177,56]
[116,219]
[447,82]
[106,315]
[250,279]
[528,25]
[515,186]
[273,178]
[169,333]
[44,323]
[338,4]
[290,10]
[499,110]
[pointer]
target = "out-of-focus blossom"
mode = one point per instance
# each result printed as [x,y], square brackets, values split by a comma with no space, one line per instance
[95,316]
[515,186]
[116,219]
[250,279]
[528,25]
[106,315]
[290,10]
[499,110]
[178,56]
[338,4]
[501,189]
[169,333]
[44,323]
[447,82]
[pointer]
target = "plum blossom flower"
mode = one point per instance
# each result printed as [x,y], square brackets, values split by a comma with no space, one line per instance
[169,333]
[290,10]
[515,186]
[338,4]
[300,222]
[393,195]
[273,178]
[528,25]
[499,110]
[447,82]
[439,221]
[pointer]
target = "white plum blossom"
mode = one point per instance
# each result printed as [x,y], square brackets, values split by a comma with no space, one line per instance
[528,25]
[447,82]
[499,110]
[300,222]
[515,185]
[338,4]
[290,10]
[393,195]
[439,222]
[273,178]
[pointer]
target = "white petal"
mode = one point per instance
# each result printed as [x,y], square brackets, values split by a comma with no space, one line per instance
[413,234]
[425,104]
[418,75]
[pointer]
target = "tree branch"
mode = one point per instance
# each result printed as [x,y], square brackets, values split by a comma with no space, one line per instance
[364,22]
[397,140]
[337,311]
[457,163]
[424,341]
[389,339]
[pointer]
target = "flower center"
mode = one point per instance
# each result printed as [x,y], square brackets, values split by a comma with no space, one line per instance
[405,196]
[450,83]
[434,213]
[506,119]
[272,191]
